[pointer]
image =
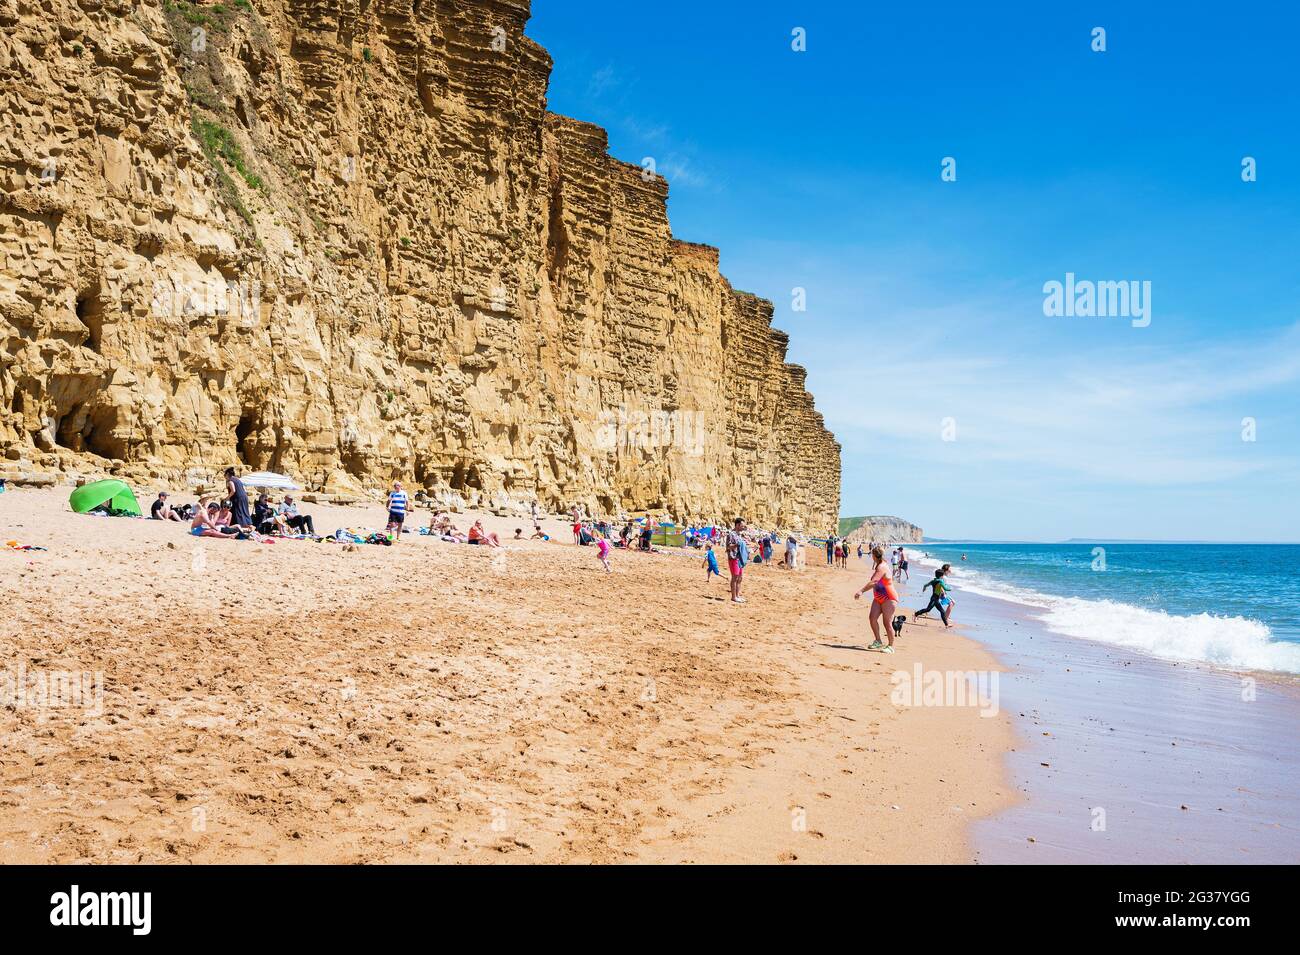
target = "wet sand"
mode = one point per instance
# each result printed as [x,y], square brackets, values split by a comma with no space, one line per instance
[1129,759]
[435,702]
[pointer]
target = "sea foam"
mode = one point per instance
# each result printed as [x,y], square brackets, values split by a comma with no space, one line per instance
[1231,642]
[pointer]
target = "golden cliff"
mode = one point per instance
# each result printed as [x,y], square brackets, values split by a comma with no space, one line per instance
[344,239]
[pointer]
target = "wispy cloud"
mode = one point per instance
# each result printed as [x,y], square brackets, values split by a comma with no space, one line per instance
[1125,417]
[603,80]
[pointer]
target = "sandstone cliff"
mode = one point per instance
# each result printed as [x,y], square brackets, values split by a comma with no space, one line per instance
[885,530]
[344,239]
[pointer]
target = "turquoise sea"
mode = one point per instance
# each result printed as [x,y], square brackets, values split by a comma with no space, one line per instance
[1232,605]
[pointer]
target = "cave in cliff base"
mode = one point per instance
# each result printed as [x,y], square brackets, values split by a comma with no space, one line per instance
[452,278]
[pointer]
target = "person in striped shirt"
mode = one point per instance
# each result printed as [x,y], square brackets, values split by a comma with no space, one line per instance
[396,511]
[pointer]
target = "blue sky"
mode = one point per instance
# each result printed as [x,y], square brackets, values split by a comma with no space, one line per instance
[821,170]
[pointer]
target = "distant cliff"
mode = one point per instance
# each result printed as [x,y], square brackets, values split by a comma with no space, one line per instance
[885,530]
[346,240]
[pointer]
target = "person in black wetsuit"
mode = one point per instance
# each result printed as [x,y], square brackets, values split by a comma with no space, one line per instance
[939,596]
[239,516]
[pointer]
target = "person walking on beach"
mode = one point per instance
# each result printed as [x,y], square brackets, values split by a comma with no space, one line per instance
[830,550]
[396,511]
[737,558]
[791,553]
[902,563]
[710,564]
[884,602]
[602,553]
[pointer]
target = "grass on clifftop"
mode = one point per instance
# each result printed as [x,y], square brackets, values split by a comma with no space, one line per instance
[850,524]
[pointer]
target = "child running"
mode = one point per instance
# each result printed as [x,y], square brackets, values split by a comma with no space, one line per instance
[602,552]
[710,564]
[939,598]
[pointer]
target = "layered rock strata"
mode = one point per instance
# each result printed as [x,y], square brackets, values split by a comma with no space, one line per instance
[344,239]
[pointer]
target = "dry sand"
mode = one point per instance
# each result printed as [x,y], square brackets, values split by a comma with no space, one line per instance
[435,702]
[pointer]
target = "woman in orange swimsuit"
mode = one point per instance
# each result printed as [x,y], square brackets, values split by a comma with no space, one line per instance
[884,601]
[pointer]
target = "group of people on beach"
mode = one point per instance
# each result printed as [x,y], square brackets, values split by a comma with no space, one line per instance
[885,625]
[230,517]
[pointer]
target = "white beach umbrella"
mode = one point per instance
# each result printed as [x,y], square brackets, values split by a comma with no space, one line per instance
[271,480]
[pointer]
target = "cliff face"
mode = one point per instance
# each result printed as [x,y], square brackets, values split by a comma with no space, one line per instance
[886,530]
[344,239]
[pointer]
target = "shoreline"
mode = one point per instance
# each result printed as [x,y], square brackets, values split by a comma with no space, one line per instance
[435,702]
[1128,758]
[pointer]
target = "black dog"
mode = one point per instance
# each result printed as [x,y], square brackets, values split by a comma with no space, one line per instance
[898,624]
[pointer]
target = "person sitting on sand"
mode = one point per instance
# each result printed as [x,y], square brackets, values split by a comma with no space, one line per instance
[204,523]
[441,526]
[265,519]
[884,601]
[477,535]
[220,514]
[295,519]
[519,533]
[160,510]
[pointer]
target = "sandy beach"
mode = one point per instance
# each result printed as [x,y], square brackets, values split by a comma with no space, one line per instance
[435,702]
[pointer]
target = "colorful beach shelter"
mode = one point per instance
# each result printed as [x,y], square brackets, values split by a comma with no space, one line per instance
[116,494]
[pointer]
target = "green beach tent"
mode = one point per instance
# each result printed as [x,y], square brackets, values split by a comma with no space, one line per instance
[115,493]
